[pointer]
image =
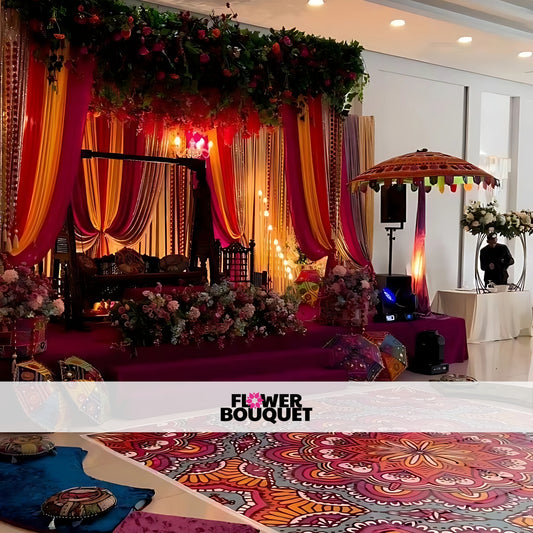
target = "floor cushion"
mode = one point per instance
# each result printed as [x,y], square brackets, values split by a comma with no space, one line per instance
[77,504]
[142,522]
[20,446]
[25,486]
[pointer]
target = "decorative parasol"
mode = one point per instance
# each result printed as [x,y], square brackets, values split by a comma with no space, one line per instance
[393,354]
[357,355]
[423,168]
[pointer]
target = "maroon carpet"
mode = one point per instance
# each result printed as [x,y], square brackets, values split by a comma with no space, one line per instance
[291,357]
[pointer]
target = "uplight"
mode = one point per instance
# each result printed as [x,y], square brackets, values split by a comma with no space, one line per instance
[397,23]
[525,54]
[464,40]
[315,2]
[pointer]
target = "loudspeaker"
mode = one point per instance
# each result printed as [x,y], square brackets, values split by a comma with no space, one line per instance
[395,282]
[393,204]
[429,354]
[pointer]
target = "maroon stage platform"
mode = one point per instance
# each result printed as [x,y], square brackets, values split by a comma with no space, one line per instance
[292,357]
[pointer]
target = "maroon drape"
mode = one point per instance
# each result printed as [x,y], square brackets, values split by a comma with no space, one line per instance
[295,193]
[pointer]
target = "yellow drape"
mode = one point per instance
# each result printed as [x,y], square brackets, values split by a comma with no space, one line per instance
[309,185]
[90,174]
[114,175]
[366,161]
[218,185]
[48,159]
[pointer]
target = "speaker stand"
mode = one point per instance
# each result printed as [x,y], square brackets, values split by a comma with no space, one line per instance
[390,232]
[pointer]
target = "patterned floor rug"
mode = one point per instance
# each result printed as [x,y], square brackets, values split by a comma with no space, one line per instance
[355,483]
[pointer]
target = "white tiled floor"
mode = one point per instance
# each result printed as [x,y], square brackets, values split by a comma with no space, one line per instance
[509,360]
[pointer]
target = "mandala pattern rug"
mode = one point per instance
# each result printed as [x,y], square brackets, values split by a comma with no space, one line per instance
[352,482]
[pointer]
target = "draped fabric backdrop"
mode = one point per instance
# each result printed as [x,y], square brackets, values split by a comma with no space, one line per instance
[284,187]
[114,200]
[54,145]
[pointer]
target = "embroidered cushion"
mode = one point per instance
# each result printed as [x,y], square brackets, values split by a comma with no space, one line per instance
[129,261]
[76,369]
[26,446]
[174,263]
[78,503]
[32,370]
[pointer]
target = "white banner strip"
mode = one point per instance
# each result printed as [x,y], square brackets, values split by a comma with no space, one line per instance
[84,407]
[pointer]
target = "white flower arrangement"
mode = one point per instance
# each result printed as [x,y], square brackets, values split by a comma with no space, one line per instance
[478,218]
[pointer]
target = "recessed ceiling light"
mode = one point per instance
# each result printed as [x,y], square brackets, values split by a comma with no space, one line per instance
[525,54]
[315,2]
[464,40]
[397,23]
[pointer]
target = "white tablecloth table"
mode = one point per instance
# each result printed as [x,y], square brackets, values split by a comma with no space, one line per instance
[488,316]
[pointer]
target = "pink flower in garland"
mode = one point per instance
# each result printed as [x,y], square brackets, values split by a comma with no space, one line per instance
[204,58]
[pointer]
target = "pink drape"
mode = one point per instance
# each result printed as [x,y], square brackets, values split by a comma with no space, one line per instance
[295,191]
[418,268]
[349,231]
[76,107]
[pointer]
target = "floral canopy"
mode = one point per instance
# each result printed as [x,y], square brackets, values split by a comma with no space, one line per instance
[423,168]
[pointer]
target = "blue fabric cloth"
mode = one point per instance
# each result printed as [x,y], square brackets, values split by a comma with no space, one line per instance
[25,485]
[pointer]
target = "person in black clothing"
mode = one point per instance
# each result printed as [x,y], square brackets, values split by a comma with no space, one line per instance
[495,259]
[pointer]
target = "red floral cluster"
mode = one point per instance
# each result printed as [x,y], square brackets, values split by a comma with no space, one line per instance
[187,69]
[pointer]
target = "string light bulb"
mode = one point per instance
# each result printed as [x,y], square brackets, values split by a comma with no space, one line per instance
[315,2]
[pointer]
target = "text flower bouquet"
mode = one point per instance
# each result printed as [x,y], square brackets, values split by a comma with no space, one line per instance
[216,313]
[348,296]
[25,294]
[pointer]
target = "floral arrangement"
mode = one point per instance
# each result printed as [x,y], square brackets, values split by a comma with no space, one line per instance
[217,313]
[188,69]
[25,294]
[348,295]
[486,219]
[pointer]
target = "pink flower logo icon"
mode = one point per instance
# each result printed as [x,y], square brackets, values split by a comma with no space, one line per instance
[254,400]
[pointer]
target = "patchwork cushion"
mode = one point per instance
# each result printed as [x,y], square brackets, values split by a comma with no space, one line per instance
[78,503]
[26,485]
[32,370]
[129,261]
[174,263]
[26,446]
[156,523]
[76,369]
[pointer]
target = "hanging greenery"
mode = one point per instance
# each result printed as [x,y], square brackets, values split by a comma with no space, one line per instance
[189,69]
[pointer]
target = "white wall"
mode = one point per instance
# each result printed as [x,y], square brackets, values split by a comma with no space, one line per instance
[418,105]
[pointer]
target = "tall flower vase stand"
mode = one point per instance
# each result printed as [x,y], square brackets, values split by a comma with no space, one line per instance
[520,283]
